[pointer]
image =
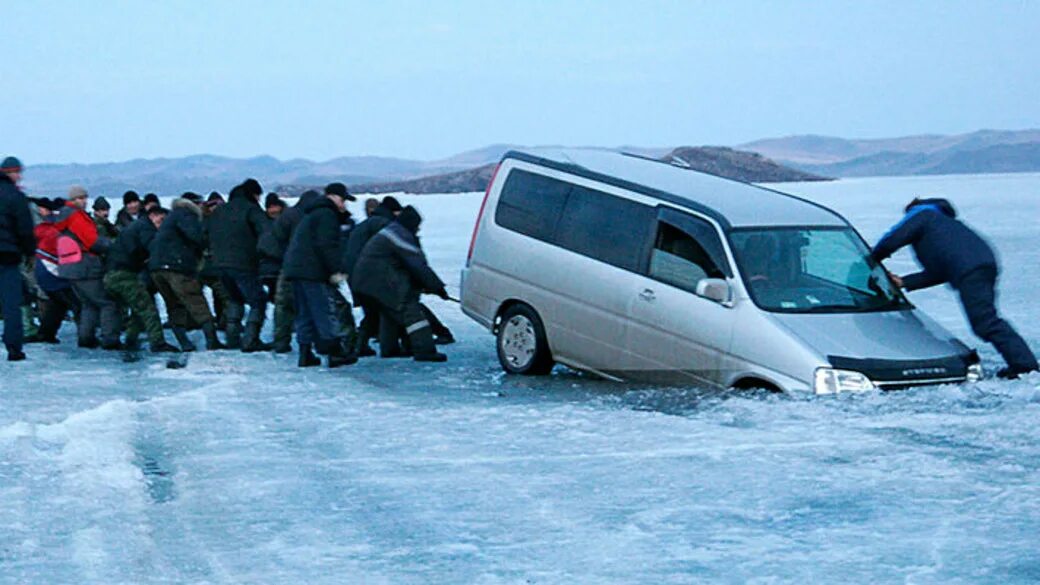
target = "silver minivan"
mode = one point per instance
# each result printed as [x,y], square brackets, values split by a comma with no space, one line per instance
[636,269]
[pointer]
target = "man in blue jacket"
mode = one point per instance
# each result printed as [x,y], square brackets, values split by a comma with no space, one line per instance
[951,253]
[16,243]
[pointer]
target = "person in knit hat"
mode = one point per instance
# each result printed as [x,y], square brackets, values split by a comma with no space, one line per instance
[151,200]
[131,210]
[273,205]
[105,227]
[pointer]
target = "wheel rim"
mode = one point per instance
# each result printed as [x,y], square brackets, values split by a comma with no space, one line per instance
[518,342]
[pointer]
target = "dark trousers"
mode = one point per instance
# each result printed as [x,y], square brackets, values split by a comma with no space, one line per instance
[53,310]
[97,309]
[369,327]
[11,297]
[438,328]
[182,294]
[409,318]
[979,297]
[316,322]
[244,288]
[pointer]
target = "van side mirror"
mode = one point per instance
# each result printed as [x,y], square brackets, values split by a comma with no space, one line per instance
[714,289]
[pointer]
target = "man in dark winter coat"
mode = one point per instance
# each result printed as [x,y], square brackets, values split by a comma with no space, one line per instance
[278,243]
[126,260]
[175,254]
[234,230]
[131,210]
[380,217]
[209,276]
[16,243]
[393,270]
[951,253]
[312,264]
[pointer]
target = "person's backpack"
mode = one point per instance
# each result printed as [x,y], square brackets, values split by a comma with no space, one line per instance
[69,250]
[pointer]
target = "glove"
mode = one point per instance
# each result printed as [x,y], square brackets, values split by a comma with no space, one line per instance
[338,278]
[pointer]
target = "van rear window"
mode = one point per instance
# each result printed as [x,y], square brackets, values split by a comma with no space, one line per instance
[531,204]
[607,228]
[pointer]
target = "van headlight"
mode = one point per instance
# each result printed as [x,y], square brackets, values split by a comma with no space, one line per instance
[975,373]
[832,381]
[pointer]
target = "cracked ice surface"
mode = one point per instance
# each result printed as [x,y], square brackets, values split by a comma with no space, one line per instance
[242,469]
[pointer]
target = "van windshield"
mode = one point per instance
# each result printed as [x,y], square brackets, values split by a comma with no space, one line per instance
[813,270]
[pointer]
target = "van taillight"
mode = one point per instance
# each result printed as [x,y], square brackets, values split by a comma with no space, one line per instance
[480,214]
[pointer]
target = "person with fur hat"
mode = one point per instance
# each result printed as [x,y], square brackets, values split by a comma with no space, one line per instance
[174,257]
[16,243]
[80,251]
[952,253]
[234,230]
[106,228]
[393,271]
[131,210]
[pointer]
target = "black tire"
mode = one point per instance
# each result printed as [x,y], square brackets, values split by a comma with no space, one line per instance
[520,326]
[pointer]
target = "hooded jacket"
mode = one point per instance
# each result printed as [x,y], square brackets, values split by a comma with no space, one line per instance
[131,249]
[392,267]
[16,225]
[287,222]
[314,251]
[360,236]
[180,241]
[946,248]
[234,229]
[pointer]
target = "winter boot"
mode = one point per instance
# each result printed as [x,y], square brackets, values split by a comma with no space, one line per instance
[182,338]
[283,347]
[307,357]
[233,333]
[363,348]
[212,341]
[1012,373]
[251,340]
[423,348]
[15,354]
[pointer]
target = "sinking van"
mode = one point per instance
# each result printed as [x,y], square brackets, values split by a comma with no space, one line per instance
[636,269]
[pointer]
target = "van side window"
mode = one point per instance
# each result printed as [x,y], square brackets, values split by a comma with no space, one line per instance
[679,259]
[605,227]
[531,204]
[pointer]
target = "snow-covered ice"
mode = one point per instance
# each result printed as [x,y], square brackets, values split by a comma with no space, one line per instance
[243,469]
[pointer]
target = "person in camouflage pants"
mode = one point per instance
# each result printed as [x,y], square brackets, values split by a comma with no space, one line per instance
[127,259]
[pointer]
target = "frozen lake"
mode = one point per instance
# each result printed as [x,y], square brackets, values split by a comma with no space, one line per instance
[243,469]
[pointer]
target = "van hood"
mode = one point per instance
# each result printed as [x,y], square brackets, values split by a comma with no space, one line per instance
[888,335]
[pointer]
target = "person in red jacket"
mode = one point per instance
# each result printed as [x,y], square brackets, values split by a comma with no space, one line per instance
[59,298]
[84,269]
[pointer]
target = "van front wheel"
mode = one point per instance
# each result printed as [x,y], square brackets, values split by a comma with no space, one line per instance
[522,345]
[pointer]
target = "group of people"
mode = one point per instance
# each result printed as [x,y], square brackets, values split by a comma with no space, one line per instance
[311,260]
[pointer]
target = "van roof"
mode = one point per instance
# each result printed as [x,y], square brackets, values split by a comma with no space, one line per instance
[731,203]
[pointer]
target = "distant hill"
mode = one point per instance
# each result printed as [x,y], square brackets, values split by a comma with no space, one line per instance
[715,160]
[985,151]
[725,162]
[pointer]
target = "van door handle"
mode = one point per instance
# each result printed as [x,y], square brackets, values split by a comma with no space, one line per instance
[647,295]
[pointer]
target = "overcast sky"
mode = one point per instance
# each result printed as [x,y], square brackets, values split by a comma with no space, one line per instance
[104,81]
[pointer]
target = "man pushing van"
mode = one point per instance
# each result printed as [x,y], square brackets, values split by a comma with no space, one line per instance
[951,253]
